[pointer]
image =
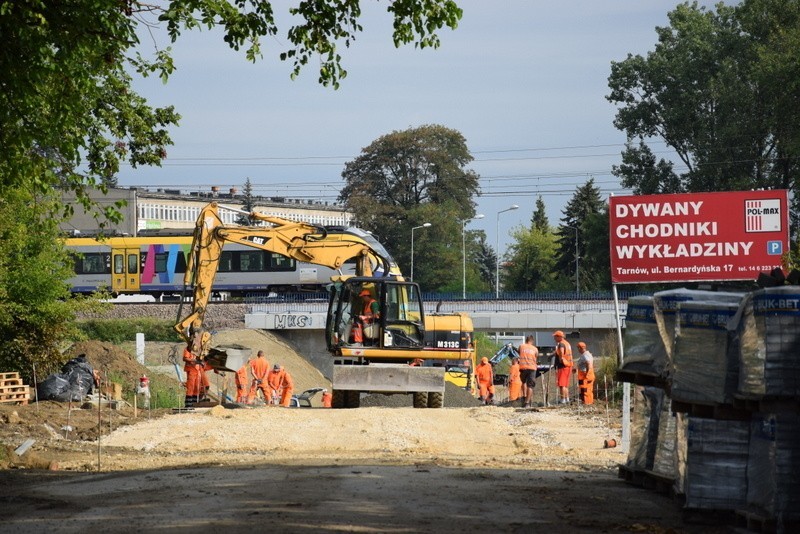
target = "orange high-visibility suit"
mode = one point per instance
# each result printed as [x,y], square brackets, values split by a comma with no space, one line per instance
[485,378]
[242,384]
[586,386]
[585,366]
[327,399]
[193,369]
[260,369]
[514,382]
[281,384]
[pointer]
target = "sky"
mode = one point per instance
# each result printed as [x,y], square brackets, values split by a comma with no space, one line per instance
[524,81]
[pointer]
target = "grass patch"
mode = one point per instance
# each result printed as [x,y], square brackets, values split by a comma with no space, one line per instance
[118,331]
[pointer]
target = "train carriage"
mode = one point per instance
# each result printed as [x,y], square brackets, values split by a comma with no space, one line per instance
[155,265]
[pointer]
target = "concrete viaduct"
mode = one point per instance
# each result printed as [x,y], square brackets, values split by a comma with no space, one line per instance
[506,320]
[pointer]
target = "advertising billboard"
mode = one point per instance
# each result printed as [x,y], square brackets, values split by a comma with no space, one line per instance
[691,237]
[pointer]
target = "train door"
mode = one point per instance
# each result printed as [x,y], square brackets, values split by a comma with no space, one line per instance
[125,270]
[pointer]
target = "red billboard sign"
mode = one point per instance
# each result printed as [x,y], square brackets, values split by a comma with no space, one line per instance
[693,237]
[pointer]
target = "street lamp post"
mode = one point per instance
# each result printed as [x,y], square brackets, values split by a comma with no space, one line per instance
[577,273]
[426,225]
[464,256]
[497,252]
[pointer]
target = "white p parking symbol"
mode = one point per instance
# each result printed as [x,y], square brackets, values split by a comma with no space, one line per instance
[774,248]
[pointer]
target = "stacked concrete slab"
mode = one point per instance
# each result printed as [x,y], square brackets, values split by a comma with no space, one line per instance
[644,350]
[716,464]
[729,432]
[769,344]
[773,478]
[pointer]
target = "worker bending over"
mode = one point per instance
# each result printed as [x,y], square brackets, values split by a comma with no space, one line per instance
[243,383]
[485,378]
[281,386]
[259,367]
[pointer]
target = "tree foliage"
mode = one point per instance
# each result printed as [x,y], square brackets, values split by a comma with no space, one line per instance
[68,114]
[405,179]
[532,261]
[539,218]
[69,118]
[248,204]
[573,234]
[35,311]
[721,89]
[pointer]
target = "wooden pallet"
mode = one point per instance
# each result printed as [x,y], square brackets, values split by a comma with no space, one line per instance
[642,379]
[16,394]
[648,480]
[711,411]
[767,405]
[10,379]
[758,522]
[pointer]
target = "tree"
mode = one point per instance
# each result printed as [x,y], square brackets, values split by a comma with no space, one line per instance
[721,90]
[69,117]
[572,232]
[248,204]
[407,178]
[68,114]
[539,219]
[532,263]
[485,261]
[595,260]
[36,312]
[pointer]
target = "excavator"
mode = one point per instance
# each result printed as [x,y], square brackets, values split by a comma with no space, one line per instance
[393,347]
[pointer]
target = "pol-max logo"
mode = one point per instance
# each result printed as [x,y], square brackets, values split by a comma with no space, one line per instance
[762,215]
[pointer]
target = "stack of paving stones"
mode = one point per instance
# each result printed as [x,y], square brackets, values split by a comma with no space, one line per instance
[716,416]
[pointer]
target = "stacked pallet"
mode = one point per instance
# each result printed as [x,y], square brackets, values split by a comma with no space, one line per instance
[720,427]
[12,390]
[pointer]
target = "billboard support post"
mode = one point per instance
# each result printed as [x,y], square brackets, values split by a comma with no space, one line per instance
[625,442]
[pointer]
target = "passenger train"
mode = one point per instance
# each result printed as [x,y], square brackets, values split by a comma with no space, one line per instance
[155,266]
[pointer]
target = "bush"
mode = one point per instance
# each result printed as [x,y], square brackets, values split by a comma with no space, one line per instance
[118,331]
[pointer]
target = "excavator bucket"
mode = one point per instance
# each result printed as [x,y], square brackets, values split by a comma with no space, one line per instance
[228,358]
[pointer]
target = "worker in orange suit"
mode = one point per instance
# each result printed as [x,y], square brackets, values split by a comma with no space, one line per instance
[243,382]
[485,377]
[585,365]
[327,399]
[563,354]
[514,381]
[528,365]
[281,385]
[259,368]
[193,368]
[205,383]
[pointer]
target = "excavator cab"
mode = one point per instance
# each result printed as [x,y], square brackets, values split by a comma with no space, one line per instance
[368,314]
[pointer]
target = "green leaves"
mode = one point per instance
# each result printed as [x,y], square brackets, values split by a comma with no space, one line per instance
[720,89]
[408,177]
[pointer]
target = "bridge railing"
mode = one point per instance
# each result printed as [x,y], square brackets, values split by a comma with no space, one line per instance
[568,302]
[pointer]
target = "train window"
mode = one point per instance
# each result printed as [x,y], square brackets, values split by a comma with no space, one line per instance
[225,262]
[161,262]
[133,263]
[119,264]
[180,263]
[278,262]
[91,263]
[251,261]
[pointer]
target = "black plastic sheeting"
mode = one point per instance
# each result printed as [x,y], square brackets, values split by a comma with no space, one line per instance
[73,383]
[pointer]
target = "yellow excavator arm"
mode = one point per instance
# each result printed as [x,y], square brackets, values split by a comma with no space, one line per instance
[300,241]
